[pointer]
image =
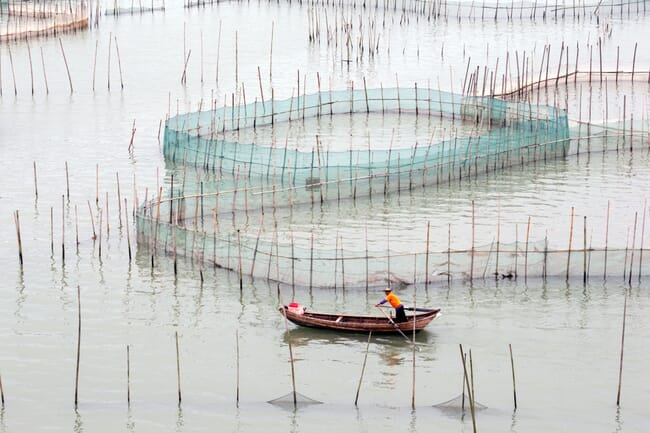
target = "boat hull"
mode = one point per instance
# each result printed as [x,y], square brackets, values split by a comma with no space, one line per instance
[353,323]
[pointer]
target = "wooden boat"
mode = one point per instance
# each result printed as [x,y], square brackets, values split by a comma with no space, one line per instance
[355,323]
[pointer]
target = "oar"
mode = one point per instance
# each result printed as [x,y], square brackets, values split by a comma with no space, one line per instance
[397,328]
[422,310]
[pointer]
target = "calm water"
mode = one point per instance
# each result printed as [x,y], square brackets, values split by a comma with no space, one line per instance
[565,337]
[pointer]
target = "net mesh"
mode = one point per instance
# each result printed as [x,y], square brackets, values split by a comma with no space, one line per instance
[459,403]
[292,400]
[250,177]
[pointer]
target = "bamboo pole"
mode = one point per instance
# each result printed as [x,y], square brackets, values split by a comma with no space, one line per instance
[584,251]
[620,368]
[35,182]
[568,259]
[20,244]
[62,230]
[52,230]
[526,254]
[178,370]
[470,391]
[606,241]
[92,220]
[95,63]
[47,88]
[2,394]
[642,236]
[363,368]
[67,181]
[629,279]
[237,359]
[128,229]
[514,386]
[128,375]
[31,68]
[76,380]
[119,62]
[426,264]
[66,65]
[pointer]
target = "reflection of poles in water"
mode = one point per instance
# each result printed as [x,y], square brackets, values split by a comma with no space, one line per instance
[363,369]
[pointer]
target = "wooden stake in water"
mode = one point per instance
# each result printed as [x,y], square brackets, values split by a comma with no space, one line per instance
[568,259]
[2,394]
[629,279]
[66,65]
[470,391]
[584,252]
[237,370]
[642,235]
[178,370]
[76,379]
[128,375]
[52,231]
[620,368]
[35,181]
[363,368]
[62,229]
[514,386]
[606,239]
[67,181]
[128,229]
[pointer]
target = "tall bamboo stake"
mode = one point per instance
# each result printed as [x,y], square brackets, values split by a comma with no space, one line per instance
[76,379]
[620,368]
[20,244]
[470,390]
[642,236]
[128,375]
[128,229]
[363,368]
[2,394]
[66,65]
[237,370]
[35,182]
[47,88]
[62,230]
[178,370]
[629,279]
[52,230]
[568,259]
[95,63]
[67,181]
[514,386]
[606,239]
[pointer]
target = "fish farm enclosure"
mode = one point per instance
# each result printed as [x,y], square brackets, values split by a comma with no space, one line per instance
[176,171]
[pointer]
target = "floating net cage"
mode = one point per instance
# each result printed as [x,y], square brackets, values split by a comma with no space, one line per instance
[27,19]
[250,178]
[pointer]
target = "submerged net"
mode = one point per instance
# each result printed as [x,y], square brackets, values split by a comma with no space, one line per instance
[293,400]
[459,403]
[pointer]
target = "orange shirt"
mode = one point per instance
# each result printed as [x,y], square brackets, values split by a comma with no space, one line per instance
[393,299]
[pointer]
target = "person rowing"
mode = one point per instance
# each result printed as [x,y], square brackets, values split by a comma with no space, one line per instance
[400,315]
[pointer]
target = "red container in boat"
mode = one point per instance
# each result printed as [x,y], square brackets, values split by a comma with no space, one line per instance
[296,308]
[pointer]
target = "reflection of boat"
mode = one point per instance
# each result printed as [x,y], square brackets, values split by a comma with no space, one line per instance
[420,318]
